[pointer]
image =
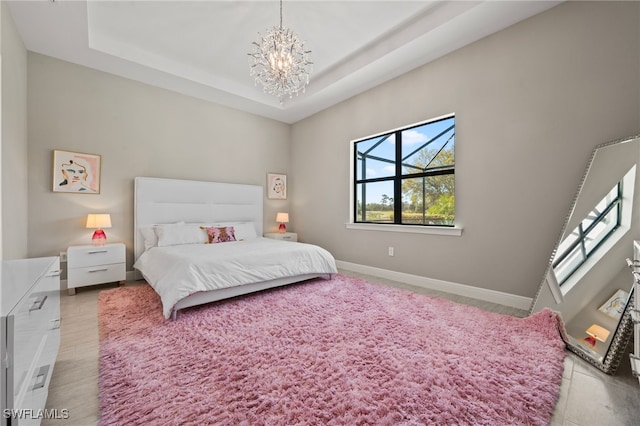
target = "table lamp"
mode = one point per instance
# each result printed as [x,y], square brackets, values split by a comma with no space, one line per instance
[99,221]
[596,332]
[282,218]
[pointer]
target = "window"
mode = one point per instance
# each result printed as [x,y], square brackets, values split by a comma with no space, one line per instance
[589,235]
[406,176]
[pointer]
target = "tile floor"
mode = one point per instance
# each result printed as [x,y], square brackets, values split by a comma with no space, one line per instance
[587,396]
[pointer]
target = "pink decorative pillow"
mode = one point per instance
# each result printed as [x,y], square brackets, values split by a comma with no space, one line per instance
[220,235]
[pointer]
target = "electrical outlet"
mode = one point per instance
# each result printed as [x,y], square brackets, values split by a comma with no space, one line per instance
[63,256]
[390,251]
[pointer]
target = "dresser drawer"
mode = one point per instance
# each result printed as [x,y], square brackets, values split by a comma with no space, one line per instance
[32,330]
[33,391]
[35,398]
[78,277]
[36,337]
[81,256]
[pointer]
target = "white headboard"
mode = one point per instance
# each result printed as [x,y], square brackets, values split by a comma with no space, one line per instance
[159,200]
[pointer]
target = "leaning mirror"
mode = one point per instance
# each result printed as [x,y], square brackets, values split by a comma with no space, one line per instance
[588,279]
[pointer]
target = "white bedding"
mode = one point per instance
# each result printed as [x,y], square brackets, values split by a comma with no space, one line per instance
[176,272]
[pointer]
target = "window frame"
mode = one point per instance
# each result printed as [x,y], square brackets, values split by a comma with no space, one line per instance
[583,235]
[397,178]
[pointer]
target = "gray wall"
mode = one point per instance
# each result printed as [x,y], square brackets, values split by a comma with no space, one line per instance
[531,103]
[13,165]
[138,130]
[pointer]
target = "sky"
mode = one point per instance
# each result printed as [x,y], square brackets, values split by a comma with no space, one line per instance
[412,139]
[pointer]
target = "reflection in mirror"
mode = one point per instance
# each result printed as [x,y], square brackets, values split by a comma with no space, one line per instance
[588,280]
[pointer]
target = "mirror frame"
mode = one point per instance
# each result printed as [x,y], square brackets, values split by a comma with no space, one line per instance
[612,359]
[622,335]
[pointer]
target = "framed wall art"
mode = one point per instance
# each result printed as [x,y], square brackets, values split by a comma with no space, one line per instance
[614,307]
[276,186]
[76,172]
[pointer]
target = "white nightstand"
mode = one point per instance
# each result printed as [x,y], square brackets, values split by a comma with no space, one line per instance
[90,264]
[285,236]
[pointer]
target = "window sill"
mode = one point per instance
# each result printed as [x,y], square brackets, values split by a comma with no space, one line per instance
[454,231]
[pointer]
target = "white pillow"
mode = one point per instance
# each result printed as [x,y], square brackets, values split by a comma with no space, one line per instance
[244,231]
[149,236]
[172,235]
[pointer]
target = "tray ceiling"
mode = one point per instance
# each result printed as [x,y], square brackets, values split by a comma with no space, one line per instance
[199,48]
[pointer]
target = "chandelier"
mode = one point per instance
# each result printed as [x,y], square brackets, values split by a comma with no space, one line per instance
[280,62]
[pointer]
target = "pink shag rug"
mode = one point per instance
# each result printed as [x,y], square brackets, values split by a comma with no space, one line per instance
[341,352]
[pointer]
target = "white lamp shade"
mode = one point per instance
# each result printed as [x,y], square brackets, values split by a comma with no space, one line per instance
[99,221]
[282,217]
[598,332]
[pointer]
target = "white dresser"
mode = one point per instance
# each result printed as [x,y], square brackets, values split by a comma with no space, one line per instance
[635,315]
[30,317]
[90,264]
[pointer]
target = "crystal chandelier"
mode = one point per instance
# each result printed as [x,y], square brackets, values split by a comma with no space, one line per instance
[280,62]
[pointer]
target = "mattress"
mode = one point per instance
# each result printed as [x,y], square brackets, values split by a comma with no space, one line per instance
[176,272]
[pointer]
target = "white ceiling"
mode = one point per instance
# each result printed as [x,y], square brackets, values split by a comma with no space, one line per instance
[199,48]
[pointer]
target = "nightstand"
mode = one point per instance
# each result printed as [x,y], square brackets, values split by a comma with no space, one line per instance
[91,264]
[285,236]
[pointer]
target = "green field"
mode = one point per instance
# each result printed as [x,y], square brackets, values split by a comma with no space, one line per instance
[386,216]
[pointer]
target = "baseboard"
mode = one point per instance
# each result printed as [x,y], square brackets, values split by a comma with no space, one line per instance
[506,299]
[131,276]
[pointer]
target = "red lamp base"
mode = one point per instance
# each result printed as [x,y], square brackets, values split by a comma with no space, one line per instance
[99,237]
[282,228]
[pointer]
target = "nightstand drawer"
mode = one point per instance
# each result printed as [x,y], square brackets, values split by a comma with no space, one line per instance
[284,236]
[81,256]
[78,277]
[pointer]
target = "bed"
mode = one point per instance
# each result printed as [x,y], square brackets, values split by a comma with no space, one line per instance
[197,242]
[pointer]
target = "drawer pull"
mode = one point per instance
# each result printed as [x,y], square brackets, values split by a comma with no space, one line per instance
[37,304]
[98,270]
[54,324]
[97,251]
[633,263]
[41,377]
[55,273]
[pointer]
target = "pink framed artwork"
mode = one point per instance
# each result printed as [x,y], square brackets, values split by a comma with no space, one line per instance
[76,172]
[276,186]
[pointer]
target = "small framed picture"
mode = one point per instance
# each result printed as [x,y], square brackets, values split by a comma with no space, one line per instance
[76,172]
[614,307]
[276,186]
